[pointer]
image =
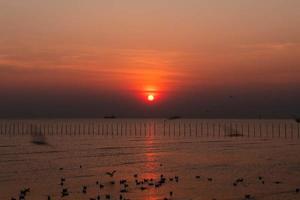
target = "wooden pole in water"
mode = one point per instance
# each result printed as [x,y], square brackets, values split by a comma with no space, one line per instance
[236,128]
[78,127]
[248,129]
[21,127]
[1,128]
[126,127]
[292,131]
[260,131]
[14,128]
[57,127]
[155,128]
[31,129]
[279,130]
[179,129]
[18,127]
[242,127]
[107,128]
[97,127]
[8,128]
[135,129]
[196,129]
[130,128]
[174,129]
[61,128]
[52,128]
[102,128]
[254,130]
[201,126]
[74,128]
[4,128]
[219,129]
[285,130]
[267,129]
[298,130]
[207,129]
[118,128]
[140,128]
[272,130]
[89,127]
[93,126]
[164,124]
[122,128]
[68,128]
[76,132]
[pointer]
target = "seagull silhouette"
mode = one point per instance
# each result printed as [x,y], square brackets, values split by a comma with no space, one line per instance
[111,174]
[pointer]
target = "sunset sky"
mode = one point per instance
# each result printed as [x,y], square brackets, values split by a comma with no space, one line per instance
[198,58]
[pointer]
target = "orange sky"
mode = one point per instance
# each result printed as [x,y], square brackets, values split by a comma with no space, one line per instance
[171,46]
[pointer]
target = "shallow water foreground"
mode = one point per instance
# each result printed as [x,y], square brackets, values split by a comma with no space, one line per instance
[154,167]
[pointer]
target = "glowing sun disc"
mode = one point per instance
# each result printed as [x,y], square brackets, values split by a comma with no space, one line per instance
[150,97]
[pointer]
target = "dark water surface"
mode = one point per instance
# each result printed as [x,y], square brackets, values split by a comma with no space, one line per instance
[218,155]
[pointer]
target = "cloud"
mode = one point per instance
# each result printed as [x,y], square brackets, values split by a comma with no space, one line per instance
[275,46]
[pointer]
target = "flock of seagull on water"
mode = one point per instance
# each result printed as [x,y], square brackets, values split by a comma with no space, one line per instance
[142,184]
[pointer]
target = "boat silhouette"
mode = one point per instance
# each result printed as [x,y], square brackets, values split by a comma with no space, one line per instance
[38,137]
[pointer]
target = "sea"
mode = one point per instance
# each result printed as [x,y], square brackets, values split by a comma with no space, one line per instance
[149,159]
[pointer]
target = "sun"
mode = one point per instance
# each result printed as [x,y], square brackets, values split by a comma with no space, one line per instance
[150,97]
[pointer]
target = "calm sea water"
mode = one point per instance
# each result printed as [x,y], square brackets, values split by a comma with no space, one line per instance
[218,151]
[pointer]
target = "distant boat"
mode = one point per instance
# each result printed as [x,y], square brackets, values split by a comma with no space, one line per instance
[39,140]
[110,117]
[174,117]
[38,137]
[232,132]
